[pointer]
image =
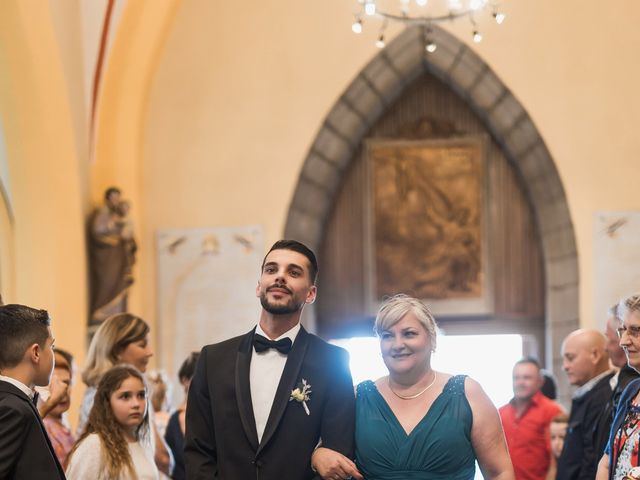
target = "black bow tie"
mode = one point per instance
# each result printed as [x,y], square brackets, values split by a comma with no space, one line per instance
[262,344]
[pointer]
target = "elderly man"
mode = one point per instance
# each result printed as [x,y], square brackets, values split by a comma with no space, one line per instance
[619,381]
[526,419]
[586,363]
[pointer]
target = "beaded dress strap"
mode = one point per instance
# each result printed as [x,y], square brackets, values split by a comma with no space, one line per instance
[455,385]
[365,387]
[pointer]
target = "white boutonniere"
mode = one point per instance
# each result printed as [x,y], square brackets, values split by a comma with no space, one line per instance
[302,394]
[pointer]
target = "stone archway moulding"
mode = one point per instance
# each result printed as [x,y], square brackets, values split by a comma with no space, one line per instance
[367,98]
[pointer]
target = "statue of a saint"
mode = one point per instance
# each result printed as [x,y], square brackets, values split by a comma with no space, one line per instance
[112,249]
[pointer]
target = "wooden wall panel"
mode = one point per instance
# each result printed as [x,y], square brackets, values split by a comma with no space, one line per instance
[430,110]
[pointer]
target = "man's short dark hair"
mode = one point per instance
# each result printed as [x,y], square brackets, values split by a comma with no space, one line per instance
[20,327]
[188,367]
[531,360]
[109,191]
[301,248]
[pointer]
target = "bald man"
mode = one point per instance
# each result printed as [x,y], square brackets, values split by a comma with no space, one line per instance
[586,363]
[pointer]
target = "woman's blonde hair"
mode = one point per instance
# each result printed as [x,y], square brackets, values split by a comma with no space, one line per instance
[111,338]
[395,308]
[628,305]
[113,444]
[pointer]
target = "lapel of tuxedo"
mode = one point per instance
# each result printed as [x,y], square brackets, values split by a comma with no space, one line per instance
[243,389]
[7,387]
[286,385]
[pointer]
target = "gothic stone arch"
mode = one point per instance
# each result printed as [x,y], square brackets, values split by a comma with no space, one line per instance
[366,99]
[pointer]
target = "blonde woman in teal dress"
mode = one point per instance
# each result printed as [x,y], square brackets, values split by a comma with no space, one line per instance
[416,423]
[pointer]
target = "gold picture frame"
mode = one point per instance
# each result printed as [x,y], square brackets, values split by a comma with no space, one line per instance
[426,223]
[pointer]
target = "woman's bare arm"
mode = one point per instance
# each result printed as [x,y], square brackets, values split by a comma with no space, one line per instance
[487,436]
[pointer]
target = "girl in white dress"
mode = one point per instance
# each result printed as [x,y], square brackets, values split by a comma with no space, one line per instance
[114,445]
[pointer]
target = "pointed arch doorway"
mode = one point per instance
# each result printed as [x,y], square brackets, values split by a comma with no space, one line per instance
[456,68]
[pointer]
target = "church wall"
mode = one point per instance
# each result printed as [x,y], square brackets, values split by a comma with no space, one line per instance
[230,122]
[221,127]
[46,185]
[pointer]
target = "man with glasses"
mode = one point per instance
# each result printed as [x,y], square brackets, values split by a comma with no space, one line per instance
[586,363]
[613,332]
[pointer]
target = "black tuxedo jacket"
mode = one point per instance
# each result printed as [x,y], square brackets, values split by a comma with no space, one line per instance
[221,440]
[580,455]
[25,450]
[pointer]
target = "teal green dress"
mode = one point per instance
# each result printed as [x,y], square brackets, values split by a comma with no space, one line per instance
[438,448]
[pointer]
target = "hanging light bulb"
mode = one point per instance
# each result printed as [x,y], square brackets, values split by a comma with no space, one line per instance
[499,17]
[477,37]
[370,7]
[380,42]
[422,3]
[357,26]
[429,45]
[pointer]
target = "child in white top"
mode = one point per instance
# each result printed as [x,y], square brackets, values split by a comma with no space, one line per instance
[115,442]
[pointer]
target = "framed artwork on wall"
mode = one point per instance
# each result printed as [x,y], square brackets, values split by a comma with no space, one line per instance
[425,226]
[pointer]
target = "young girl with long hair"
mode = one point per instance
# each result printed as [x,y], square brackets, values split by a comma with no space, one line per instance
[121,338]
[114,445]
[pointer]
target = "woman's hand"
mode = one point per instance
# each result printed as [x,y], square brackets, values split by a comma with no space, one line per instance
[331,465]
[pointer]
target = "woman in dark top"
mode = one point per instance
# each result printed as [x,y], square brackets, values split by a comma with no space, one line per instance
[174,434]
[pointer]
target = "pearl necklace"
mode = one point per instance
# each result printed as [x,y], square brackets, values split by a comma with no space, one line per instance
[411,397]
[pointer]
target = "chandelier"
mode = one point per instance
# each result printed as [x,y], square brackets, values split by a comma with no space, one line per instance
[425,13]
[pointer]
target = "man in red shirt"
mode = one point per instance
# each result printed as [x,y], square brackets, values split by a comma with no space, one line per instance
[526,420]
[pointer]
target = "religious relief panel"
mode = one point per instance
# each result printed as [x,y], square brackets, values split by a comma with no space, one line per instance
[206,288]
[616,258]
[426,222]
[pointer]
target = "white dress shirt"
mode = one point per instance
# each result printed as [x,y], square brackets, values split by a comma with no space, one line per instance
[264,376]
[16,383]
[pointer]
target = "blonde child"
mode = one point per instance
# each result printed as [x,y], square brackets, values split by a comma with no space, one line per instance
[557,430]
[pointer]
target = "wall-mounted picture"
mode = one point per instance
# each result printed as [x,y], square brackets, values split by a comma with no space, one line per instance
[426,222]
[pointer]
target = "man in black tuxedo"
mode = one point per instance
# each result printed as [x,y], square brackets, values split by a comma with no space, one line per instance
[259,404]
[26,360]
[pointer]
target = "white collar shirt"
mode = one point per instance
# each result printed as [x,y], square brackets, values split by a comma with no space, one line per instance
[587,387]
[264,376]
[18,384]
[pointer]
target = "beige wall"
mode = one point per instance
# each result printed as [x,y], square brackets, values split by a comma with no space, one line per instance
[241,92]
[209,109]
[7,253]
[47,236]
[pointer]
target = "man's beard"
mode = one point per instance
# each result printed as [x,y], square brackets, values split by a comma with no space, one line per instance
[280,309]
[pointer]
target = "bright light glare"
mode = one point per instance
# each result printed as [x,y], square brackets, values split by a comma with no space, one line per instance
[421,3]
[357,27]
[500,17]
[477,4]
[488,359]
[370,8]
